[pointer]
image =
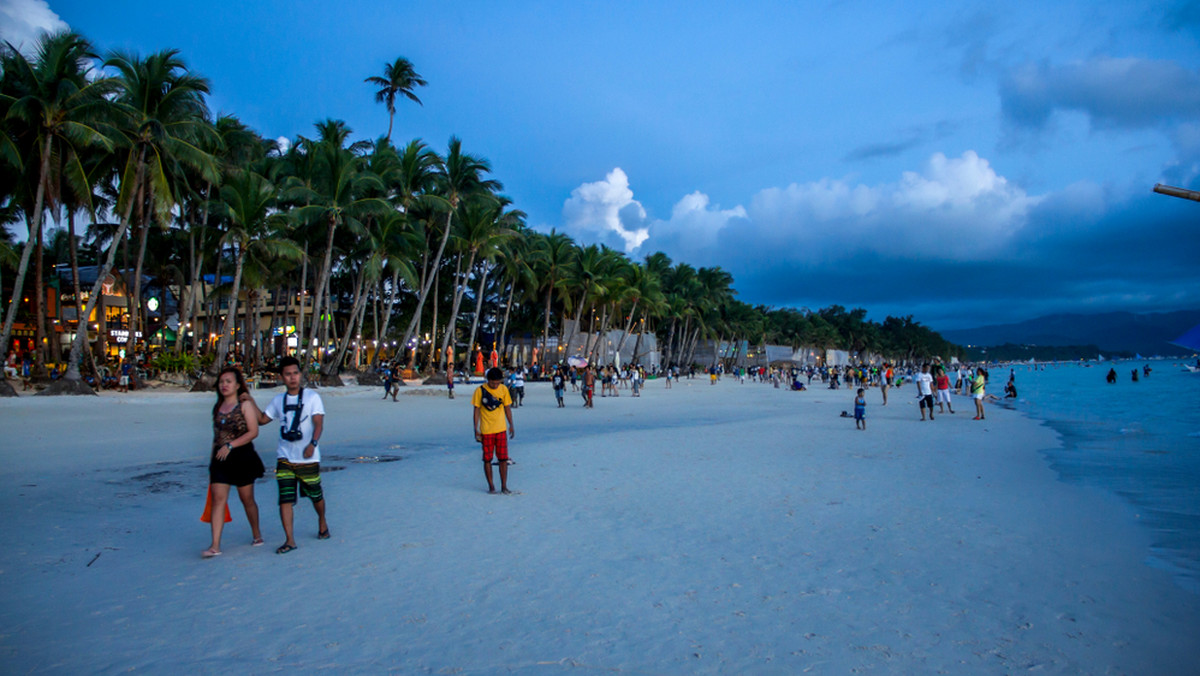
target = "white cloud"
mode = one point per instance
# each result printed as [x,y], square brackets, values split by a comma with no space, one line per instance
[953,207]
[284,143]
[605,208]
[23,21]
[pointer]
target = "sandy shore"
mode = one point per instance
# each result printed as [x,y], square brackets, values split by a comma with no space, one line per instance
[703,529]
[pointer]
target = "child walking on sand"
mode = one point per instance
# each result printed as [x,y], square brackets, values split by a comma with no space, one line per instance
[494,426]
[860,411]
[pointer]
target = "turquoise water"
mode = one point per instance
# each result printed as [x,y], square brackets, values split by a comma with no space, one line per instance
[1139,440]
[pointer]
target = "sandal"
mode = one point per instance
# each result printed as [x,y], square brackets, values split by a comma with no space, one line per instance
[284,549]
[209,553]
[323,535]
[258,542]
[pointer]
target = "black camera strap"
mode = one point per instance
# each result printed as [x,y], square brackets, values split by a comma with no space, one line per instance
[298,408]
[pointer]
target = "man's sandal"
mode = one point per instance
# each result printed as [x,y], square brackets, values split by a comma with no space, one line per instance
[284,549]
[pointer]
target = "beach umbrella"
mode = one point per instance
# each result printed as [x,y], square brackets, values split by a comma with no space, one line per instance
[577,362]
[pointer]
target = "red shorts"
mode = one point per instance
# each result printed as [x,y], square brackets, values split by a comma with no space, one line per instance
[495,444]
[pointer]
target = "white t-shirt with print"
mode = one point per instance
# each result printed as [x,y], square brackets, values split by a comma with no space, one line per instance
[924,383]
[293,451]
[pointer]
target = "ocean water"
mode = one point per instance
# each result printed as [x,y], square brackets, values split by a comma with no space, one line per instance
[1139,440]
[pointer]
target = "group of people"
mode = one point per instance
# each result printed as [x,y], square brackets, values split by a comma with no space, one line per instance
[235,464]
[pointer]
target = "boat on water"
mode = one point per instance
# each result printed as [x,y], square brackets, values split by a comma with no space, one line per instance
[1191,341]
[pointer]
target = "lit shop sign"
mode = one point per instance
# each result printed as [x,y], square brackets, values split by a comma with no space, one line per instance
[122,334]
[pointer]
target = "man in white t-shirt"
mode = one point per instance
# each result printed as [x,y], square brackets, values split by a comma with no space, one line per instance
[301,416]
[925,390]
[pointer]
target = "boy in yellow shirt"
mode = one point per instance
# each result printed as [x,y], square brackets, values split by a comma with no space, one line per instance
[493,428]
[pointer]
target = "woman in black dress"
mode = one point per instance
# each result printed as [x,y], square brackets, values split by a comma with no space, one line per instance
[234,461]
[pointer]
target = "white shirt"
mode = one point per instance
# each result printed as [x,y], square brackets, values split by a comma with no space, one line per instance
[924,383]
[293,451]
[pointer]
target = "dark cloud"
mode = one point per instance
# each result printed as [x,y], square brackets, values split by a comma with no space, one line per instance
[1123,93]
[912,138]
[1068,256]
[1183,17]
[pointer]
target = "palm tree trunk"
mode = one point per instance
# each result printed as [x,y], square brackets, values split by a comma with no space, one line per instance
[628,325]
[81,321]
[503,342]
[39,292]
[575,328]
[336,365]
[322,281]
[98,285]
[459,286]
[301,347]
[23,266]
[227,328]
[387,317]
[431,357]
[136,298]
[478,308]
[545,315]
[434,264]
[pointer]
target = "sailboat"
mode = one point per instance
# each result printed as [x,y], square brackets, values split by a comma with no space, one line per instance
[1190,341]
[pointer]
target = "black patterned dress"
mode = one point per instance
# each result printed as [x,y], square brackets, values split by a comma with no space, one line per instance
[242,466]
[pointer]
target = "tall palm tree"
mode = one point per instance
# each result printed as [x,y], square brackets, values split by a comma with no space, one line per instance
[338,197]
[553,255]
[247,203]
[460,177]
[399,79]
[488,242]
[518,274]
[165,119]
[51,107]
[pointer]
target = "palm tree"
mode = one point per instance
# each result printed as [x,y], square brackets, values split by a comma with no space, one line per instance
[338,197]
[165,119]
[52,108]
[553,255]
[486,242]
[518,273]
[247,204]
[399,79]
[460,178]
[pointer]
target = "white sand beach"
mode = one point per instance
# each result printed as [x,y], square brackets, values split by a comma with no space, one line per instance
[728,529]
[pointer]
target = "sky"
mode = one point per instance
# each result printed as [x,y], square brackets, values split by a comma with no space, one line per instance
[965,163]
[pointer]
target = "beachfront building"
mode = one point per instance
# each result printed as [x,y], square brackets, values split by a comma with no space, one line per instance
[612,347]
[109,323]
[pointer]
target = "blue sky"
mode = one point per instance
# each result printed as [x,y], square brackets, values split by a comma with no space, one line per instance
[967,165]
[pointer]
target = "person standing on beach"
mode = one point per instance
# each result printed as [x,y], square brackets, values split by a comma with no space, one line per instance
[885,380]
[234,461]
[518,390]
[559,385]
[387,379]
[493,426]
[925,391]
[301,416]
[943,390]
[589,386]
[977,392]
[860,410]
[450,379]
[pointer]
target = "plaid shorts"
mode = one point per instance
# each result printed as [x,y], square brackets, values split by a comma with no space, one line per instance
[495,444]
[306,477]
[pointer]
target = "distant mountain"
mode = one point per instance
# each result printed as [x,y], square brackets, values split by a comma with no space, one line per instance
[1146,334]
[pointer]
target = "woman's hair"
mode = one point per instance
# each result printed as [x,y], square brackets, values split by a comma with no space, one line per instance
[241,385]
